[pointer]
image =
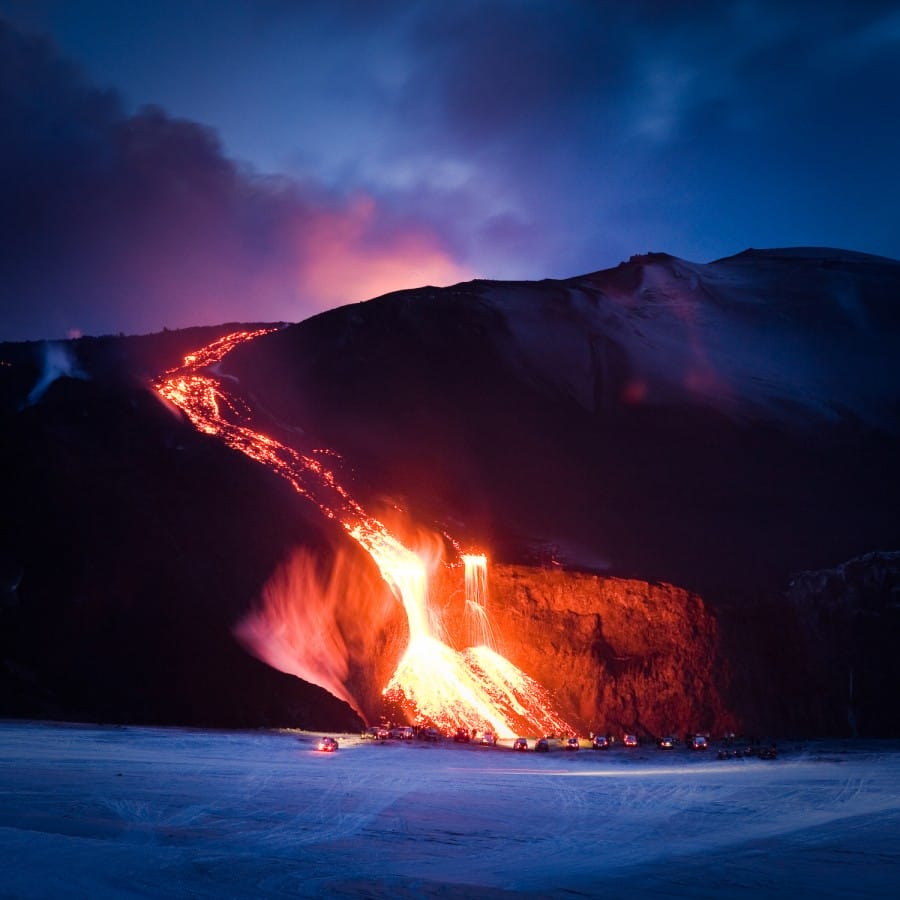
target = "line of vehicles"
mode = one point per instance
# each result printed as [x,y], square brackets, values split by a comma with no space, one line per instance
[401,733]
[608,741]
[732,747]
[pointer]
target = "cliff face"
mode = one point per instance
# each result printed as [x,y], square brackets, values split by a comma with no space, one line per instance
[623,654]
[847,627]
[617,654]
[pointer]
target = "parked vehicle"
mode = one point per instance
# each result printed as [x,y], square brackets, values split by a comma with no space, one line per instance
[601,742]
[572,743]
[542,745]
[429,734]
[736,752]
[402,733]
[699,742]
[488,739]
[376,733]
[328,745]
[520,744]
[462,736]
[666,742]
[630,740]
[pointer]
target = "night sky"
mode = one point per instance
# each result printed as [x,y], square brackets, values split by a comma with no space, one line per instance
[165,164]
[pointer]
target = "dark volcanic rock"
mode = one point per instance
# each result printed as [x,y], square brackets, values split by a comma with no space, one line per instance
[848,630]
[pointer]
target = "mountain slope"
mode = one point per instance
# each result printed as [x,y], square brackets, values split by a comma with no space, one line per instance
[715,426]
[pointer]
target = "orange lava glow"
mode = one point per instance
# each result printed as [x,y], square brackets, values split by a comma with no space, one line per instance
[344,259]
[474,688]
[478,625]
[434,683]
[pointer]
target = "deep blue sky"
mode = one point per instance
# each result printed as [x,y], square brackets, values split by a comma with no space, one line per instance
[301,155]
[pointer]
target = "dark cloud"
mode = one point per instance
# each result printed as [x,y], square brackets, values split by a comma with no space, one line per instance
[133,222]
[558,138]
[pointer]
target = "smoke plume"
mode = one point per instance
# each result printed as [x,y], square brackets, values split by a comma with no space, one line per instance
[323,626]
[114,221]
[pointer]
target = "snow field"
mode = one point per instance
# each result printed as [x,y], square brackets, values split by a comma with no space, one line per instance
[153,812]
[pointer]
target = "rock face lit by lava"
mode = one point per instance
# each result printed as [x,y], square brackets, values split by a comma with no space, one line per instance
[615,653]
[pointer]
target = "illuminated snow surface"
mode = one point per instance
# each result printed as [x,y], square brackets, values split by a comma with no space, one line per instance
[126,811]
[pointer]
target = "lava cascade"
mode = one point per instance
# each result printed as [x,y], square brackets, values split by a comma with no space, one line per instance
[433,682]
[478,626]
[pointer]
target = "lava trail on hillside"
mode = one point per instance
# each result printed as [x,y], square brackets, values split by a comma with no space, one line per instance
[434,683]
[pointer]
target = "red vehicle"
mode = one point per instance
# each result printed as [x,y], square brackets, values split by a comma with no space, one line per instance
[328,745]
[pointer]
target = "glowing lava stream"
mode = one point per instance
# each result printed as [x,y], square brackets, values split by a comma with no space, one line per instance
[433,682]
[478,626]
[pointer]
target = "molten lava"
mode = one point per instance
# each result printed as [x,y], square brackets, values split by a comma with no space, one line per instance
[478,626]
[473,688]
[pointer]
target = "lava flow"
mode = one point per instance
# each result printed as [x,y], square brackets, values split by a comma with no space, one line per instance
[478,626]
[473,688]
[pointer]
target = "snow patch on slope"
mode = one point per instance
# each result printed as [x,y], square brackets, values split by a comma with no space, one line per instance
[779,338]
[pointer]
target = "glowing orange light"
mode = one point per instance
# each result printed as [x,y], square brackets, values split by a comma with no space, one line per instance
[473,688]
[478,626]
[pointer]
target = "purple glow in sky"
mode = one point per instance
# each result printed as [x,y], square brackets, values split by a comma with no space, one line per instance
[296,156]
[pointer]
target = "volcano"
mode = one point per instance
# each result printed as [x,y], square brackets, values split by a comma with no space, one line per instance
[648,455]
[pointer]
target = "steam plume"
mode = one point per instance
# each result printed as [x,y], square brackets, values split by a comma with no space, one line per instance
[59,362]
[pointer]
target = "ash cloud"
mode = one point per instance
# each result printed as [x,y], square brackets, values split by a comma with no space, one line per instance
[134,222]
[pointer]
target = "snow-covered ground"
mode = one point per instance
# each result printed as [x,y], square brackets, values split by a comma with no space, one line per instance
[91,811]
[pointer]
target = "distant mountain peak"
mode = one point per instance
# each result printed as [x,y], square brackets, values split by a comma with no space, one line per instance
[825,254]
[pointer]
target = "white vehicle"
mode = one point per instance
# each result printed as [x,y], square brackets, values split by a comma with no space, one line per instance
[402,733]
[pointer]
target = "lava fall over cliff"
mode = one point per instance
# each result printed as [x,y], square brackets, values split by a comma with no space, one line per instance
[474,687]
